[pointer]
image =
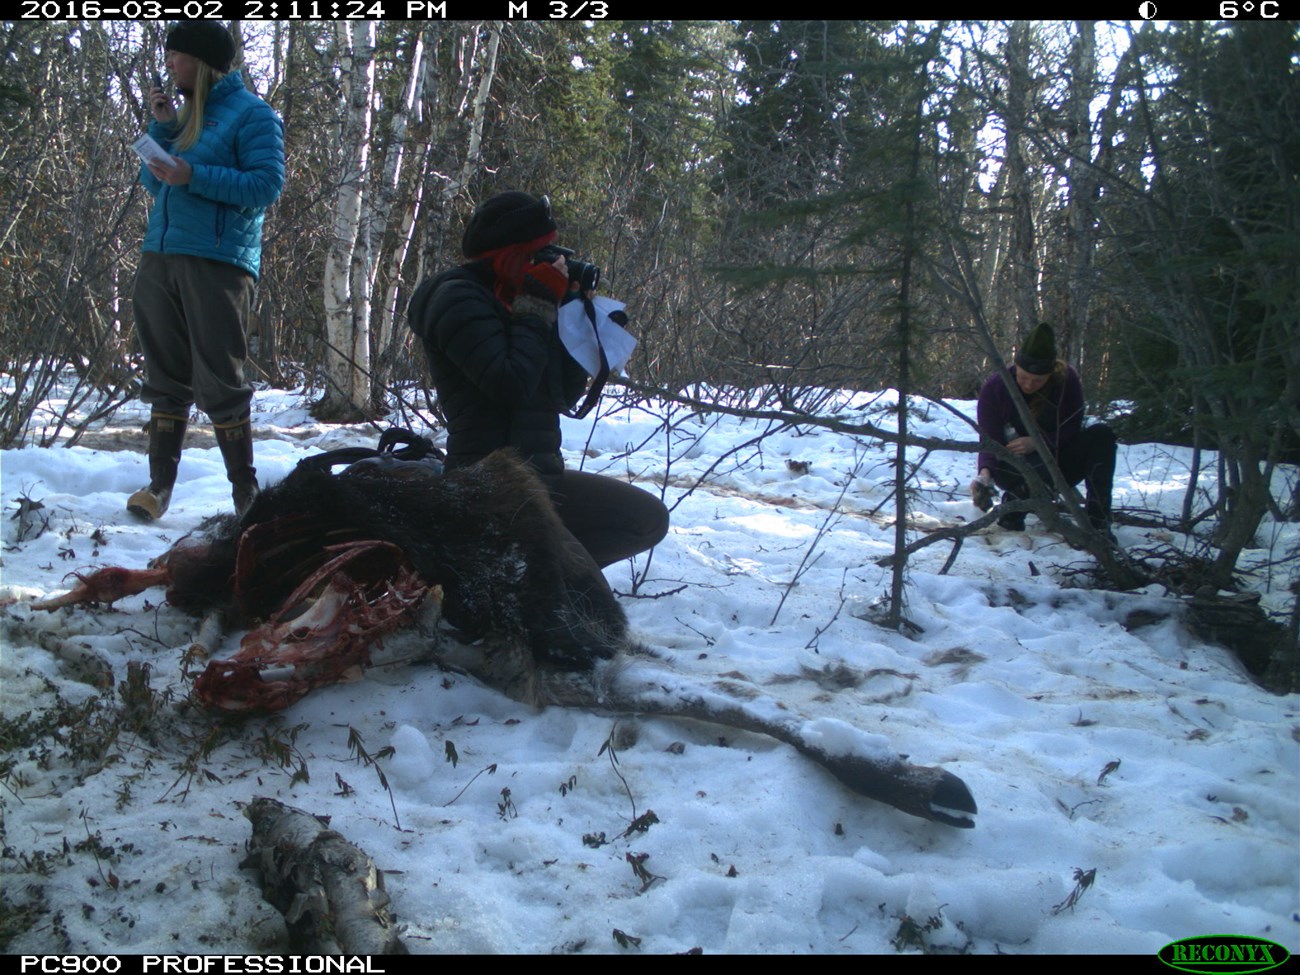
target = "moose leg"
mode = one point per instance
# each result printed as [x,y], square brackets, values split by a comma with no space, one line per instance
[862,762]
[106,586]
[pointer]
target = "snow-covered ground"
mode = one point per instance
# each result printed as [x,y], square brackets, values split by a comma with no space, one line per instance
[1146,756]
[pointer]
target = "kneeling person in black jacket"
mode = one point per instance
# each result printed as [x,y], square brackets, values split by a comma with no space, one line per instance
[504,377]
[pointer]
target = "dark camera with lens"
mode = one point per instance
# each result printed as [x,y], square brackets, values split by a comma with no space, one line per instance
[585,276]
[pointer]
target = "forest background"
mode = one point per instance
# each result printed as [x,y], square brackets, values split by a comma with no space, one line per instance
[788,208]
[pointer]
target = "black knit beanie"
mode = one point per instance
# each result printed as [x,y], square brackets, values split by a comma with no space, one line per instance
[507,218]
[1037,353]
[206,40]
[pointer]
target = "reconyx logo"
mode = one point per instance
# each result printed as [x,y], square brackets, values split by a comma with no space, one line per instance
[1215,954]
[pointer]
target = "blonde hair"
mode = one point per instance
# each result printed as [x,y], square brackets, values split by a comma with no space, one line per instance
[190,117]
[1050,390]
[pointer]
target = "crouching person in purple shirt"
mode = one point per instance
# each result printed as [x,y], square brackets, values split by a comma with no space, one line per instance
[1054,395]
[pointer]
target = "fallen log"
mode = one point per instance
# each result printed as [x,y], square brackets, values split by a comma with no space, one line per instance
[328,890]
[1236,621]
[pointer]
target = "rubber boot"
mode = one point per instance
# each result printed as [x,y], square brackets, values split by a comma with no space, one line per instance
[166,440]
[236,443]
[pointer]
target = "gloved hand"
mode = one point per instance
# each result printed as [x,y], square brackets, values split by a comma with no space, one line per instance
[544,285]
[545,281]
[982,492]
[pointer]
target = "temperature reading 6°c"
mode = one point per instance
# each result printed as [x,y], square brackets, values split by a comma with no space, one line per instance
[1262,9]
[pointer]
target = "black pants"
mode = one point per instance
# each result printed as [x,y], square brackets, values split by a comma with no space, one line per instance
[1089,457]
[612,519]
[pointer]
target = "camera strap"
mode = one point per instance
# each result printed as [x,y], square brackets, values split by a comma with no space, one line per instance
[598,381]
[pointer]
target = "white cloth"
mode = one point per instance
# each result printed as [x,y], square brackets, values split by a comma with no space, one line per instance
[579,337]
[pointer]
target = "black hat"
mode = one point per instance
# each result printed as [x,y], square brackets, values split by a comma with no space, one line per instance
[1037,353]
[507,218]
[206,40]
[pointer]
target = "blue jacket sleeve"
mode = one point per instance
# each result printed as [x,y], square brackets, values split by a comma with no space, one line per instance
[150,182]
[258,176]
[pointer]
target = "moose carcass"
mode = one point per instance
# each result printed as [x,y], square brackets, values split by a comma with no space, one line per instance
[332,563]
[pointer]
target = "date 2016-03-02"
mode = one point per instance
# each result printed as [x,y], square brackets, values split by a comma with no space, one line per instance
[295,9]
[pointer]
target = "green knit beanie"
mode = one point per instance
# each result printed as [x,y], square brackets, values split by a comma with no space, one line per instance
[1037,353]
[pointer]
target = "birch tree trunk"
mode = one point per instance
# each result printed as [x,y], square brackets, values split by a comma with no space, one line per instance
[347,299]
[474,149]
[386,200]
[463,108]
[456,96]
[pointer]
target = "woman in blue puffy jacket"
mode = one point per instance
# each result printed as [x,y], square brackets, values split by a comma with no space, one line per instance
[201,256]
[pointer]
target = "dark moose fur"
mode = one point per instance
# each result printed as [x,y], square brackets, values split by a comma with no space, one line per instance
[487,534]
